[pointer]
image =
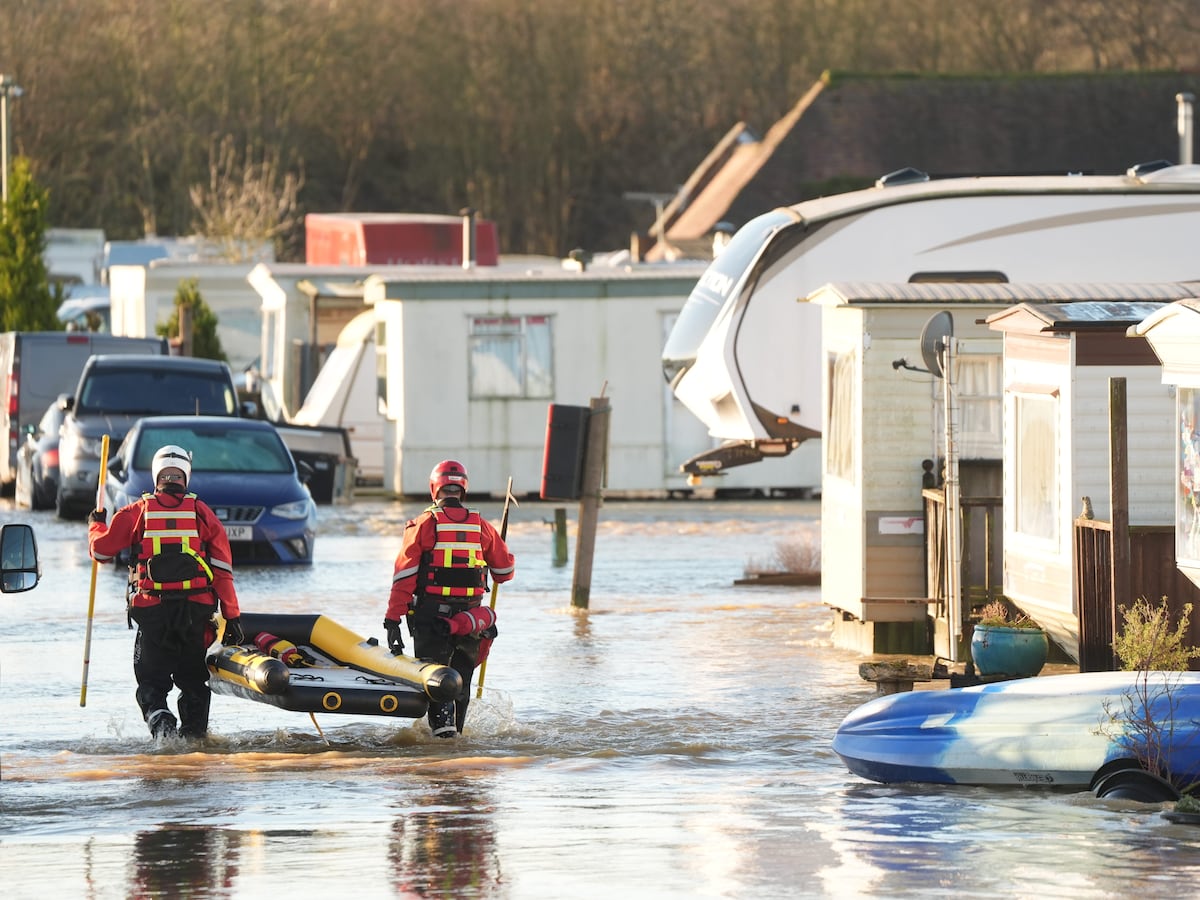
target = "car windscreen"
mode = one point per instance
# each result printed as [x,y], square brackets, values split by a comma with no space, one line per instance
[239,449]
[149,392]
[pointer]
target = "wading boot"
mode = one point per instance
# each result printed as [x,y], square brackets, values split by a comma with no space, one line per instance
[162,723]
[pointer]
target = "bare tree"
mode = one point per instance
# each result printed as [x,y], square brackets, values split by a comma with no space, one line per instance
[249,199]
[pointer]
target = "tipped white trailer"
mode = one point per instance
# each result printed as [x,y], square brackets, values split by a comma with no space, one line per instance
[745,353]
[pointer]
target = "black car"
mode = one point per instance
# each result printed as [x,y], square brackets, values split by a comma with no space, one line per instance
[37,459]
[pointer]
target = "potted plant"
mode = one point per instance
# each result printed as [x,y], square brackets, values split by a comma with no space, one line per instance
[1003,644]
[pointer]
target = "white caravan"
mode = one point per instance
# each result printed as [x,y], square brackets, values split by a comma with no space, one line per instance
[745,353]
[345,394]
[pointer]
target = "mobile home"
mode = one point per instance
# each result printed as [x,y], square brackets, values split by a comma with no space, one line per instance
[143,297]
[471,360]
[1058,362]
[885,440]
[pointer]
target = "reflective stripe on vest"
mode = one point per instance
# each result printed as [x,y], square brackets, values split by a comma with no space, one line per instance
[171,529]
[456,564]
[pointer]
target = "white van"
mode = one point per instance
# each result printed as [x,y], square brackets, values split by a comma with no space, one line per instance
[37,366]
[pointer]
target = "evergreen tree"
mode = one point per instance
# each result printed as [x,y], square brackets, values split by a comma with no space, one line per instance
[206,344]
[28,302]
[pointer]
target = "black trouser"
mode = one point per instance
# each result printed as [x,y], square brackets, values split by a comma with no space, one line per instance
[169,650]
[432,641]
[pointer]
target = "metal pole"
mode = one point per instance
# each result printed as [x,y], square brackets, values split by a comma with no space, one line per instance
[9,90]
[1185,101]
[953,507]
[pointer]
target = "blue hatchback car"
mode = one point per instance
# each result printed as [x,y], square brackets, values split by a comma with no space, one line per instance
[241,468]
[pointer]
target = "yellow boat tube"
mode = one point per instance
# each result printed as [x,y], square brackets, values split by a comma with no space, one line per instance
[439,683]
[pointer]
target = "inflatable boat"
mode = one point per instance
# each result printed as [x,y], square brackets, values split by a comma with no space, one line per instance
[1069,731]
[312,664]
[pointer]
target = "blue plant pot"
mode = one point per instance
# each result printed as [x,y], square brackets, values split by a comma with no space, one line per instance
[999,650]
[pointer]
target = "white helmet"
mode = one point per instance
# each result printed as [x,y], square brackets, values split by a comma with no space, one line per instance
[172,457]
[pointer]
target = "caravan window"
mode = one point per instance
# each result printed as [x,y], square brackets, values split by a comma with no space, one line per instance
[1187,459]
[511,357]
[980,387]
[843,403]
[1036,457]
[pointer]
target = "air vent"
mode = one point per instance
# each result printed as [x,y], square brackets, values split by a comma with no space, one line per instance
[1146,168]
[907,175]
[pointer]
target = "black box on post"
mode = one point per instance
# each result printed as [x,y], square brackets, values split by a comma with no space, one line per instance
[566,444]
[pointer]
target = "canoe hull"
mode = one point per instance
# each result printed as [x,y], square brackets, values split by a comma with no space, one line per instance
[1054,731]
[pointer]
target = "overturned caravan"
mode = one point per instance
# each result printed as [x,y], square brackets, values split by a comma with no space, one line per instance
[309,663]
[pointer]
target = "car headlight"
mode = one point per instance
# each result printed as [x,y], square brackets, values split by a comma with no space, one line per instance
[297,509]
[76,446]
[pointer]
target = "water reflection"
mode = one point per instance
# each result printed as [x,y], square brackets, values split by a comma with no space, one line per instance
[184,861]
[447,846]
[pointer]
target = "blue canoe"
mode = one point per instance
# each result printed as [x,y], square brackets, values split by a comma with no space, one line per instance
[1056,731]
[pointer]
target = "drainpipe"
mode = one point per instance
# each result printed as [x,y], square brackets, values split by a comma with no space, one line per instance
[468,245]
[1185,100]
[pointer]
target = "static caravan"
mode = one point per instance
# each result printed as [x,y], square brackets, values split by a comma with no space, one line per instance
[745,358]
[1058,362]
[1174,334]
[884,439]
[143,297]
[346,394]
[472,360]
[303,308]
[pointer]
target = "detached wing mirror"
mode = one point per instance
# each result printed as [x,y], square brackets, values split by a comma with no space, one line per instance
[19,568]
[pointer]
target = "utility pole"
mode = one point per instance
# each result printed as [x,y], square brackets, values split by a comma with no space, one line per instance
[9,90]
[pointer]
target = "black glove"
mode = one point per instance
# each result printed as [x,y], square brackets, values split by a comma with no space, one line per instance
[98,515]
[394,638]
[233,633]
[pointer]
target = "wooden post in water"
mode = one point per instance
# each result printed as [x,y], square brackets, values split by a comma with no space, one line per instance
[594,457]
[1118,480]
[186,331]
[560,537]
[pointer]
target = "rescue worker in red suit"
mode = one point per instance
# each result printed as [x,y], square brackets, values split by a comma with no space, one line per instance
[439,582]
[181,569]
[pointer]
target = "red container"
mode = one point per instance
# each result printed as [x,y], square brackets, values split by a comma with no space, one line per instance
[393,239]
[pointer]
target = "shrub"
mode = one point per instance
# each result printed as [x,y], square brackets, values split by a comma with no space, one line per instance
[998,615]
[1146,641]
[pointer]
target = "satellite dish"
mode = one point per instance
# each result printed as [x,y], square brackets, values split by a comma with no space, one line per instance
[933,340]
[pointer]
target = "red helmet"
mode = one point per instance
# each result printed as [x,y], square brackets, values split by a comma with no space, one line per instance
[447,472]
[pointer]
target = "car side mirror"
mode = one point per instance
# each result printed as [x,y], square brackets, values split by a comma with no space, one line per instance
[19,568]
[249,409]
[305,471]
[67,403]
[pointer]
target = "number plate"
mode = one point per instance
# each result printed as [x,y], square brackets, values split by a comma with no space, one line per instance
[240,532]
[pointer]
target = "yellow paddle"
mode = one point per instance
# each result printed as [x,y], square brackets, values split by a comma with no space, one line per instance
[495,587]
[87,641]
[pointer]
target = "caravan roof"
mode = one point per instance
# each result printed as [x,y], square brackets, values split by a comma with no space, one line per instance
[744,355]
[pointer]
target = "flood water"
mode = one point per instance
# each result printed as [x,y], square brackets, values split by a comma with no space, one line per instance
[671,741]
